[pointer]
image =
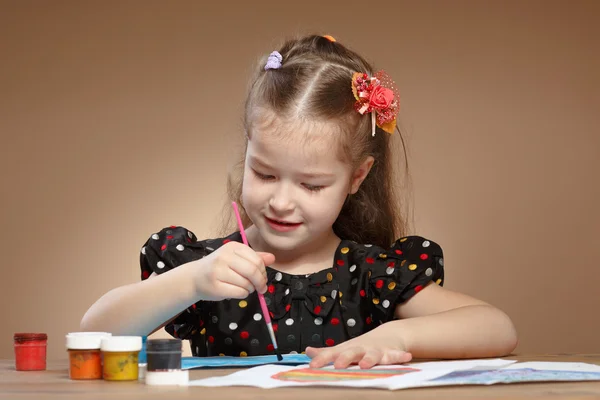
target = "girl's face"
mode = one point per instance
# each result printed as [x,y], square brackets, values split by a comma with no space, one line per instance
[293,190]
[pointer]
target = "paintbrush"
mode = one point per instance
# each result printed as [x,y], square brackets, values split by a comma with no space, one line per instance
[261,298]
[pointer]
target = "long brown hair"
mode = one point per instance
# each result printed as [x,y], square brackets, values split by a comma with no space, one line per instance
[314,84]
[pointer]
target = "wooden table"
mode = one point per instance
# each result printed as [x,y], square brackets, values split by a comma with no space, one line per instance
[55,384]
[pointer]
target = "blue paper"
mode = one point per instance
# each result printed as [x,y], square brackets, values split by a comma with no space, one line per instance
[223,362]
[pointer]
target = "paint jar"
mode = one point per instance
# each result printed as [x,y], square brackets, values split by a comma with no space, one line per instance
[164,363]
[30,351]
[85,358]
[121,357]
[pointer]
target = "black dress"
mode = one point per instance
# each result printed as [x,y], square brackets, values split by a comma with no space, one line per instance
[356,294]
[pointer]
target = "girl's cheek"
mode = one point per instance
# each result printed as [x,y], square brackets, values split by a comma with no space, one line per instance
[247,184]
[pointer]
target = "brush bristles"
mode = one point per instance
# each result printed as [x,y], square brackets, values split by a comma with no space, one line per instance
[274,340]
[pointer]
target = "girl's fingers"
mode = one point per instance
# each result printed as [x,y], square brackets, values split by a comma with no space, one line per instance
[312,352]
[231,277]
[253,257]
[370,358]
[249,271]
[324,357]
[344,356]
[267,258]
[396,357]
[229,291]
[250,265]
[349,356]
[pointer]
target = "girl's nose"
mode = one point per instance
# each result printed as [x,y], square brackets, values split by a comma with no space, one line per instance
[281,200]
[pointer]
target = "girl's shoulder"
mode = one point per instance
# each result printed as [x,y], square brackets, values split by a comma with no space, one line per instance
[394,273]
[414,249]
[176,245]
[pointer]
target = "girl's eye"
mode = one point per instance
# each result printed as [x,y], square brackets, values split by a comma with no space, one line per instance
[313,188]
[263,176]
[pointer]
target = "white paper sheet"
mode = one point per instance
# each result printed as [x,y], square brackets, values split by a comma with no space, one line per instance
[438,373]
[520,373]
[394,377]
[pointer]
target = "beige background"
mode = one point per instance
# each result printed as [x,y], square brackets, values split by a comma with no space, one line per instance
[117,117]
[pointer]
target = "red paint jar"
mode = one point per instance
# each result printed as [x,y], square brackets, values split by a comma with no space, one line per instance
[30,351]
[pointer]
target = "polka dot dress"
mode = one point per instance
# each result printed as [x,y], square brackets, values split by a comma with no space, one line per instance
[354,295]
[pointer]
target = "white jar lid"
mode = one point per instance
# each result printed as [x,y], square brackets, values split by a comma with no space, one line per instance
[89,333]
[121,343]
[85,340]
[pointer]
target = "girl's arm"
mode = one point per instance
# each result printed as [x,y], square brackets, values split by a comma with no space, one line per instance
[439,323]
[140,308]
[232,271]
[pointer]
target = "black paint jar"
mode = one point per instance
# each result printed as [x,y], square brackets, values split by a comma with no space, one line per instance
[163,354]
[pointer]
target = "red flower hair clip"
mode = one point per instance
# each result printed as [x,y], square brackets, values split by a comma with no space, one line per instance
[379,96]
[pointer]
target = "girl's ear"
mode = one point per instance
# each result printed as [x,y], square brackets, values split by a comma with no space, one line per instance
[360,174]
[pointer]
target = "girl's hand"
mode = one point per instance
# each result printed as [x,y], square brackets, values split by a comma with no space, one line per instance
[377,347]
[233,271]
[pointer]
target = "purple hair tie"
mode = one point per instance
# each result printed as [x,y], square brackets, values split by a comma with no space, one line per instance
[274,61]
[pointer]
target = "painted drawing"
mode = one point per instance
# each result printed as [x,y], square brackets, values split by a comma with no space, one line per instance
[329,374]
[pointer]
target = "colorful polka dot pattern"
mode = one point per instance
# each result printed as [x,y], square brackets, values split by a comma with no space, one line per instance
[358,292]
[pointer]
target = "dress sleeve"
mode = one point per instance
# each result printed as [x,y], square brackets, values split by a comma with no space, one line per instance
[402,271]
[169,248]
[164,251]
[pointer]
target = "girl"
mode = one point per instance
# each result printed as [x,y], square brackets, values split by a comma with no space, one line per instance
[322,222]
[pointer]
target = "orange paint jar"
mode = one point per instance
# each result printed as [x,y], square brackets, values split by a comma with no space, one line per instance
[85,357]
[30,351]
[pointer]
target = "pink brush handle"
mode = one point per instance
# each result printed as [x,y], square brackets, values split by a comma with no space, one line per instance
[261,298]
[263,306]
[239,222]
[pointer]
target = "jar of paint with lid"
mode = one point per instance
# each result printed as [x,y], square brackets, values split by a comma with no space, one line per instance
[30,351]
[85,357]
[164,363]
[121,357]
